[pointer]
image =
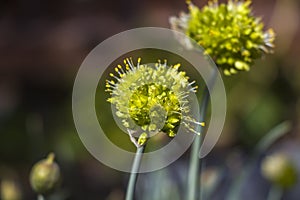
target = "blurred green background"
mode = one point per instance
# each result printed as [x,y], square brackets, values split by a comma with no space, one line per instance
[42,45]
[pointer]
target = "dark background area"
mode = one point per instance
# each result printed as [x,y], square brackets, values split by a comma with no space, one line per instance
[42,45]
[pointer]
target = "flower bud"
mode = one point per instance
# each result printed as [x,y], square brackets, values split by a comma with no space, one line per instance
[142,139]
[279,170]
[45,175]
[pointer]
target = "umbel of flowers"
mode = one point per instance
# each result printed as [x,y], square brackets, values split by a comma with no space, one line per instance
[230,34]
[151,98]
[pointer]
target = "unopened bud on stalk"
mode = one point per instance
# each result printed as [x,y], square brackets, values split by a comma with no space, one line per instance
[45,175]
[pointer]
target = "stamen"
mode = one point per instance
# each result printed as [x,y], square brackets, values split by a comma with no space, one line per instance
[112,83]
[130,64]
[188,126]
[194,121]
[131,61]
[193,89]
[117,70]
[138,63]
[114,76]
[185,96]
[120,67]
[176,66]
[176,112]
[191,83]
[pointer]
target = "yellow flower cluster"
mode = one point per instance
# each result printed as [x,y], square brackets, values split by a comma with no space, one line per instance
[152,98]
[229,33]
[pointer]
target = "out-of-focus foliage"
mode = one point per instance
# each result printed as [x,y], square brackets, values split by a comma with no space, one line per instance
[280,170]
[42,47]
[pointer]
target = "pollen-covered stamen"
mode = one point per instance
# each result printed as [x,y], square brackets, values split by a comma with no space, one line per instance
[184,103]
[165,62]
[127,67]
[159,62]
[111,83]
[181,94]
[114,76]
[190,128]
[175,112]
[186,96]
[176,66]
[130,63]
[121,69]
[187,119]
[184,108]
[108,90]
[191,83]
[139,62]
[193,89]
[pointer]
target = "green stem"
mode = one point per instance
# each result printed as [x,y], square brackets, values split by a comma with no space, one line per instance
[193,176]
[134,172]
[40,197]
[194,168]
[275,193]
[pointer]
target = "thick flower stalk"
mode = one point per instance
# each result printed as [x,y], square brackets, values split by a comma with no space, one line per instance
[230,34]
[149,99]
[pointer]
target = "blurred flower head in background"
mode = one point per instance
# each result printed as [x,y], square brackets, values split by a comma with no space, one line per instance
[229,33]
[279,169]
[10,190]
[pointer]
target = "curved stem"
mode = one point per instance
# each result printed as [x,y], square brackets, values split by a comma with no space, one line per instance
[193,176]
[134,172]
[275,193]
[194,168]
